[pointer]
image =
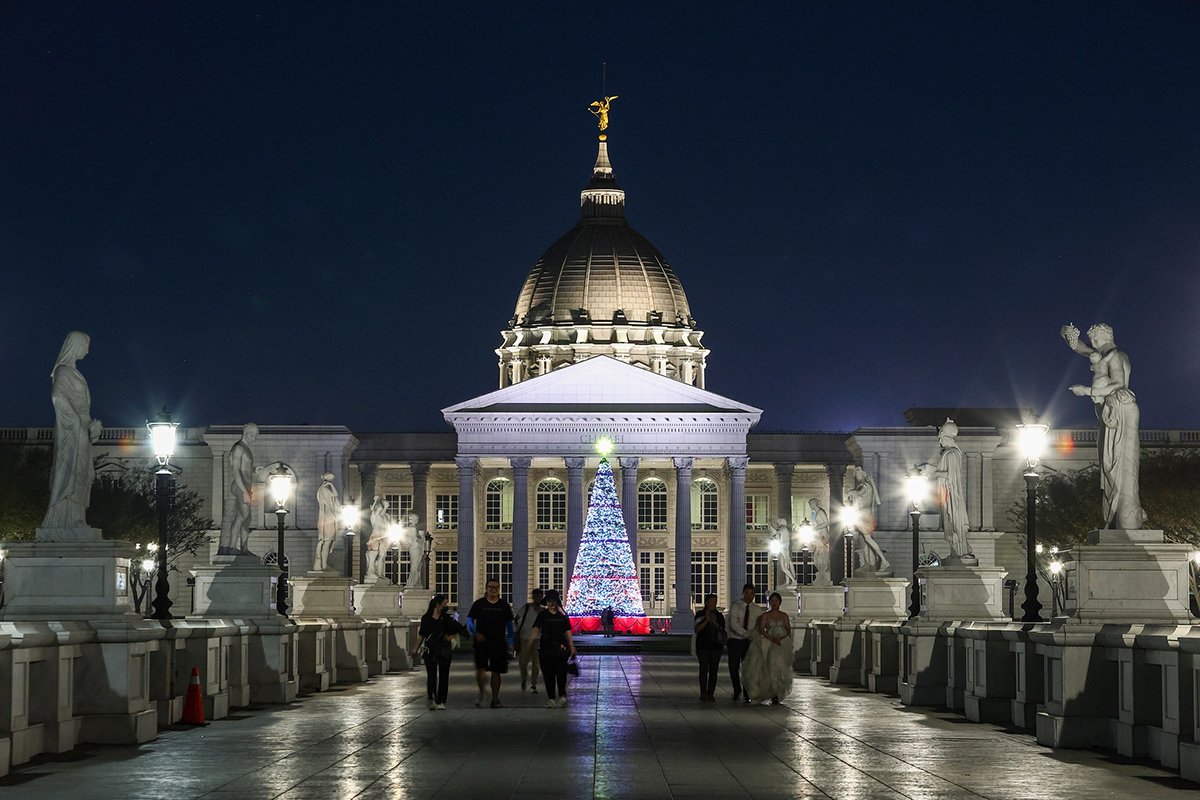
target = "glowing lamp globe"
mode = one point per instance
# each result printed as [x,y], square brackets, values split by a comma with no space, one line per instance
[281,485]
[1055,567]
[776,547]
[147,565]
[393,534]
[350,515]
[849,517]
[1031,441]
[916,486]
[162,437]
[807,533]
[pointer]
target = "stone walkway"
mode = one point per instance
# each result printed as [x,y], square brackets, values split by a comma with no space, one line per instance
[634,729]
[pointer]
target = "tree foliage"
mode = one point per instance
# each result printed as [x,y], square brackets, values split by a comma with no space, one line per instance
[1070,504]
[123,503]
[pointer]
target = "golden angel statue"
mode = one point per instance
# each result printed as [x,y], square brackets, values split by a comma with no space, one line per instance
[600,109]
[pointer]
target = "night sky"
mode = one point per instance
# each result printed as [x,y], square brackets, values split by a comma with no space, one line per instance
[322,213]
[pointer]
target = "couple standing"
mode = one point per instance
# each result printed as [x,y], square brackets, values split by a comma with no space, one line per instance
[759,643]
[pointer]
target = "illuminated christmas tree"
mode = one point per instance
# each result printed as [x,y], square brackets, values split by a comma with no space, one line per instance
[604,575]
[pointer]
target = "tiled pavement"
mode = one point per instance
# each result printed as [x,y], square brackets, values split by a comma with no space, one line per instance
[634,729]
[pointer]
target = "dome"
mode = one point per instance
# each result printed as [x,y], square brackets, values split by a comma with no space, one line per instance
[602,268]
[602,289]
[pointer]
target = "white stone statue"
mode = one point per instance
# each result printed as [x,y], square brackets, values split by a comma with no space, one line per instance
[377,541]
[328,517]
[863,497]
[820,543]
[1117,410]
[239,495]
[74,432]
[783,535]
[950,478]
[414,541]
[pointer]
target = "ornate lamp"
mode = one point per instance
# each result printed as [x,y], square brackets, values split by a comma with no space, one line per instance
[807,534]
[351,516]
[162,442]
[281,483]
[916,486]
[1031,441]
[850,519]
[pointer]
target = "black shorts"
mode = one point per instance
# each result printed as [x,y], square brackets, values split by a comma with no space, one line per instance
[491,657]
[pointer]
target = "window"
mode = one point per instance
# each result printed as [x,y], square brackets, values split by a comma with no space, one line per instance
[551,505]
[398,504]
[704,505]
[497,566]
[551,570]
[652,576]
[704,575]
[498,505]
[397,566]
[756,512]
[652,505]
[803,564]
[445,574]
[758,572]
[446,506]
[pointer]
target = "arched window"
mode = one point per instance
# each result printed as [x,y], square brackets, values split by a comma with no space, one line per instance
[704,505]
[551,505]
[498,505]
[652,505]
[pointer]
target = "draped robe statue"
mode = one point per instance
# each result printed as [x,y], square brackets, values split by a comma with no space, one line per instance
[75,431]
[821,543]
[328,512]
[950,478]
[414,541]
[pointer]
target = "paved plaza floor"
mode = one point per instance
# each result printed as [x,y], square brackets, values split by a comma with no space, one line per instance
[634,728]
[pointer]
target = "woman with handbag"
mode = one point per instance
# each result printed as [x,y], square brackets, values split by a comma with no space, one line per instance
[711,636]
[435,646]
[552,631]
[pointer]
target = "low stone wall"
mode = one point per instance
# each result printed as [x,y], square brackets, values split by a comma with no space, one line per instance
[118,681]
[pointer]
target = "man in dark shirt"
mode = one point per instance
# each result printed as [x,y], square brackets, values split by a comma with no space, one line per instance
[491,620]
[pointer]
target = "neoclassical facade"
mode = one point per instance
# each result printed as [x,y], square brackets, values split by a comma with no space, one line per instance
[603,343]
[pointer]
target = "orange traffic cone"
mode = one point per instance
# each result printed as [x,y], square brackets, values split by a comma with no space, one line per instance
[193,704]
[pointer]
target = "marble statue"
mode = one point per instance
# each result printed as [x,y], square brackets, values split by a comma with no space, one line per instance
[1117,409]
[239,495]
[863,497]
[74,433]
[783,534]
[377,541]
[600,109]
[328,518]
[822,540]
[950,478]
[414,541]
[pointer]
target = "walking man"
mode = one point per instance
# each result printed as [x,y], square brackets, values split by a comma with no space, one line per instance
[527,648]
[743,615]
[490,620]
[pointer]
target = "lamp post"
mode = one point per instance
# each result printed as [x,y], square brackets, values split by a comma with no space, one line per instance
[351,515]
[281,489]
[393,540]
[917,487]
[1031,438]
[1055,576]
[775,547]
[162,441]
[807,534]
[427,551]
[848,516]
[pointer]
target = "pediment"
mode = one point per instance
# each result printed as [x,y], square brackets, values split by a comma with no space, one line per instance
[599,385]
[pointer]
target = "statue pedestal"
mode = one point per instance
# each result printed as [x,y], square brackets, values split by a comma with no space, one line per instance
[63,580]
[815,603]
[962,593]
[415,602]
[234,586]
[1128,576]
[320,595]
[384,602]
[68,535]
[874,605]
[321,605]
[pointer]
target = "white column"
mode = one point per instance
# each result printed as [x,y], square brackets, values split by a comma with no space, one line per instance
[682,621]
[988,520]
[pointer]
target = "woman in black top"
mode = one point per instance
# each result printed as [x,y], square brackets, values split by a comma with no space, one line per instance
[436,629]
[552,631]
[710,638]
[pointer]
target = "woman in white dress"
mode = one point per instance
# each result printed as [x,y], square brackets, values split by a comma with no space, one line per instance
[767,670]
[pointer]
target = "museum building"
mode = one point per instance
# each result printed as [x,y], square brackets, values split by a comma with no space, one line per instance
[602,342]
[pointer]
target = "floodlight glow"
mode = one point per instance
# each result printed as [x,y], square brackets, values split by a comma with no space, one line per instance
[917,488]
[281,485]
[152,547]
[351,515]
[1053,550]
[162,437]
[1055,567]
[806,533]
[1031,440]
[1037,549]
[147,565]
[604,445]
[849,517]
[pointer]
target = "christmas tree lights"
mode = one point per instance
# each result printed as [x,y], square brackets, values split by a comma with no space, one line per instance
[604,575]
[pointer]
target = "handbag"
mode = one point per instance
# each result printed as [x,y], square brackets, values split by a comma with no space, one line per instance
[721,636]
[573,667]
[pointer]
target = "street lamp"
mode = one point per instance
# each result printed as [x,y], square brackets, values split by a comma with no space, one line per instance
[807,534]
[1055,575]
[162,441]
[393,541]
[775,548]
[849,518]
[351,516]
[1031,439]
[917,488]
[281,481]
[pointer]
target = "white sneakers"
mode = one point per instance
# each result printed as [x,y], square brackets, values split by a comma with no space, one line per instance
[441,706]
[551,704]
[562,702]
[430,704]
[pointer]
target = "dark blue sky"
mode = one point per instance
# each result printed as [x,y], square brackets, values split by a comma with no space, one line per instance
[308,213]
